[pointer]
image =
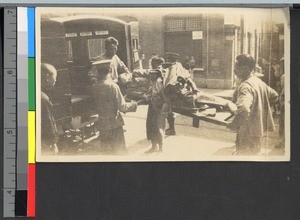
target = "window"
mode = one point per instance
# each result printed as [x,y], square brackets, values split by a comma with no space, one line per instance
[193,24]
[135,44]
[96,47]
[175,25]
[183,24]
[70,50]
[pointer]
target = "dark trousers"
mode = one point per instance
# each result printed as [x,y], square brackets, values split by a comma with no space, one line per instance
[113,141]
[246,144]
[171,121]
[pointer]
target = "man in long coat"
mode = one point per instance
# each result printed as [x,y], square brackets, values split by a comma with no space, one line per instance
[110,103]
[254,115]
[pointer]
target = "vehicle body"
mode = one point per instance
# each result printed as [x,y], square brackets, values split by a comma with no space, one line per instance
[70,44]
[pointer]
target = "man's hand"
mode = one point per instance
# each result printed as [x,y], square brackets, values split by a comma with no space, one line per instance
[232,126]
[231,106]
[195,91]
[146,97]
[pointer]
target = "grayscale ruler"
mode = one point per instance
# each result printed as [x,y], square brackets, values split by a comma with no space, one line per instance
[9,110]
[22,94]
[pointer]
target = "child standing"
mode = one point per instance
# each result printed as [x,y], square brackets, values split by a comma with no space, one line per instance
[156,120]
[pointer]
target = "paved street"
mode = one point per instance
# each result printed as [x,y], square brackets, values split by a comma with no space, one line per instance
[209,142]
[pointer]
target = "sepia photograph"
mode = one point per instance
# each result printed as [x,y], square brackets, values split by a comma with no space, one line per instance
[162,84]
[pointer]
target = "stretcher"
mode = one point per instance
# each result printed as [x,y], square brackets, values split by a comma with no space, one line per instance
[220,118]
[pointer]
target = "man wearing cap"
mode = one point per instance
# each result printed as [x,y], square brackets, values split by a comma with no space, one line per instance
[253,117]
[175,72]
[110,102]
[117,66]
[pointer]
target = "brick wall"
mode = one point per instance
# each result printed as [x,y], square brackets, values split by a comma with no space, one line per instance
[151,36]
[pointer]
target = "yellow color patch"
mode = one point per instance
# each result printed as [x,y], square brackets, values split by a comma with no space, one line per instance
[31,137]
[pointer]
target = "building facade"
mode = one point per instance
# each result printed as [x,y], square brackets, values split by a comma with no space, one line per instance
[214,40]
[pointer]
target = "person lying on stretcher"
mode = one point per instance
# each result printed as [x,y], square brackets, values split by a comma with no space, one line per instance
[183,96]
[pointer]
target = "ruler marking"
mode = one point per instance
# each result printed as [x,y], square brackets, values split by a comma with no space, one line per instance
[9,137]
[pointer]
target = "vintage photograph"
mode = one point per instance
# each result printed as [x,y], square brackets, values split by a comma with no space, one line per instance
[162,84]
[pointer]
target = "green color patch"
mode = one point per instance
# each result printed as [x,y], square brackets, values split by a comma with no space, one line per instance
[31,84]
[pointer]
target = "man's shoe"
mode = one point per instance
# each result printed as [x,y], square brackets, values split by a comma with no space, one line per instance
[170,132]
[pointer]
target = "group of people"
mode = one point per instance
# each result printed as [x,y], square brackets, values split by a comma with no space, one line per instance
[253,99]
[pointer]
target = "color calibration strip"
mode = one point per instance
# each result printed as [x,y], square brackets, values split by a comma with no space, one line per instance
[31,112]
[22,122]
[9,111]
[19,112]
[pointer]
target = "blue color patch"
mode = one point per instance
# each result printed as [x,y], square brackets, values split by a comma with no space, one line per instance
[31,31]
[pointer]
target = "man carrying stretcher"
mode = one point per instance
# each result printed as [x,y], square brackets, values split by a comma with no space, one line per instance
[174,71]
[182,92]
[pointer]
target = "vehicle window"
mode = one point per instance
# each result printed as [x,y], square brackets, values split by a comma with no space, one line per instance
[70,50]
[96,47]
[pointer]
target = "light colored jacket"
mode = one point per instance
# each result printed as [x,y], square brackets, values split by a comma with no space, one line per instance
[254,99]
[110,102]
